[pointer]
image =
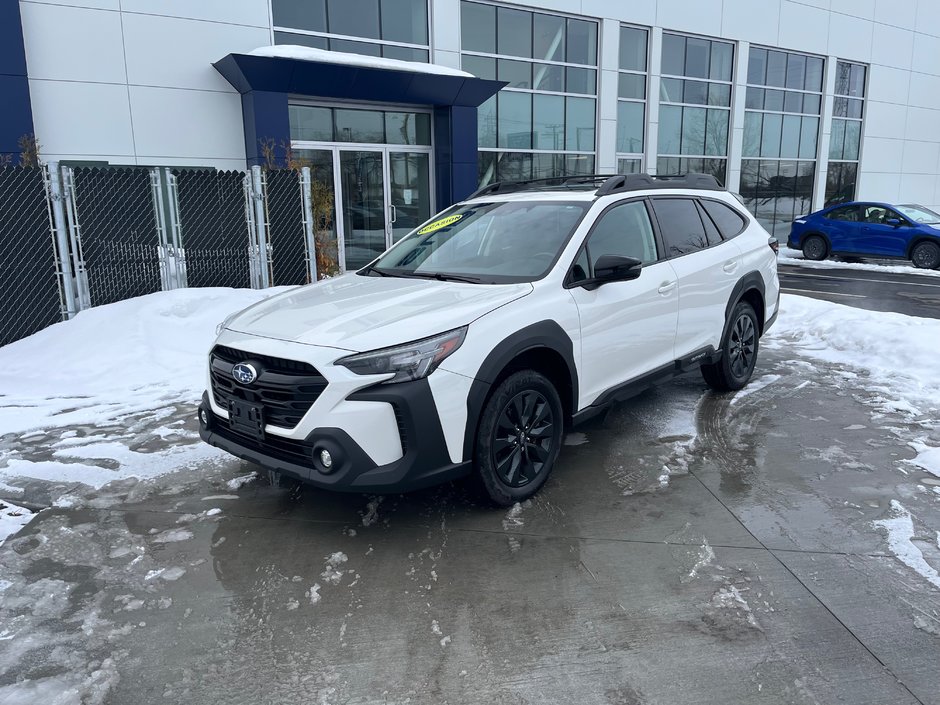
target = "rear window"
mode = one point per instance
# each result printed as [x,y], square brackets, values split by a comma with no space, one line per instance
[681,226]
[729,222]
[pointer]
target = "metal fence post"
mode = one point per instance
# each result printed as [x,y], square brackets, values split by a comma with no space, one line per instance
[165,251]
[61,230]
[257,189]
[254,247]
[309,238]
[175,227]
[75,238]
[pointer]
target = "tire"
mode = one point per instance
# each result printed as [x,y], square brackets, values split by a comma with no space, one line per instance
[926,255]
[511,471]
[739,349]
[815,248]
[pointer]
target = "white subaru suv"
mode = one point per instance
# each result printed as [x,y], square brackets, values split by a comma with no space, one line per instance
[473,343]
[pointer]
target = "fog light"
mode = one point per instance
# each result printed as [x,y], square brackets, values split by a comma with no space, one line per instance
[203,417]
[326,459]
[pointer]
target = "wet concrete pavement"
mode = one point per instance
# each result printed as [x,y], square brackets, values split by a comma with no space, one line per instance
[689,548]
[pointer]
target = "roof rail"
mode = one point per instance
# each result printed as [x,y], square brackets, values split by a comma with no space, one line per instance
[639,182]
[583,181]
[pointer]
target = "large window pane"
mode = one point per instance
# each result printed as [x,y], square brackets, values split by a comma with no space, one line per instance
[630,127]
[513,32]
[808,132]
[478,27]
[548,77]
[548,121]
[696,92]
[357,18]
[579,124]
[582,42]
[722,60]
[628,166]
[670,129]
[754,98]
[350,47]
[309,15]
[697,57]
[814,74]
[673,55]
[790,137]
[776,68]
[719,94]
[716,133]
[580,80]
[793,102]
[670,90]
[405,53]
[857,81]
[548,37]
[359,126]
[837,139]
[405,21]
[773,100]
[811,103]
[796,71]
[486,124]
[479,66]
[517,73]
[770,135]
[632,49]
[486,168]
[304,40]
[514,120]
[752,130]
[514,166]
[853,135]
[843,73]
[632,85]
[757,67]
[693,131]
[309,123]
[408,128]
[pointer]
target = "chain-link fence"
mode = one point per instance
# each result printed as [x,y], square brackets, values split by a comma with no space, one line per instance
[29,285]
[213,227]
[72,238]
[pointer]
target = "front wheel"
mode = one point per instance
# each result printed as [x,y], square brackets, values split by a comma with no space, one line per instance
[814,248]
[926,255]
[738,352]
[519,437]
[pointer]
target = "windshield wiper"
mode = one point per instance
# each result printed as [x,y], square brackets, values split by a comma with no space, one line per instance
[441,277]
[381,272]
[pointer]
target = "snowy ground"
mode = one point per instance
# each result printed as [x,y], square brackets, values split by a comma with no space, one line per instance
[690,546]
[795,257]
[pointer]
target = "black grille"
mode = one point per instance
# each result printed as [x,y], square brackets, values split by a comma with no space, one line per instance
[286,389]
[402,431]
[285,449]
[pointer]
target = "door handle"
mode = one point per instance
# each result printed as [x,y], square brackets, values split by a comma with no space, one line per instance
[666,287]
[730,266]
[393,213]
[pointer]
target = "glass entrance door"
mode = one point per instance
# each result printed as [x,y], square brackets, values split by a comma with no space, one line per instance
[409,191]
[363,206]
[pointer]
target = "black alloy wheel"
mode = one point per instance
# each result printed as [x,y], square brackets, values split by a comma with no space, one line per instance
[742,346]
[522,438]
[814,248]
[739,346]
[926,255]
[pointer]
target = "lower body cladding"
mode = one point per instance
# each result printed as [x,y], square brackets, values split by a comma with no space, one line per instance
[345,465]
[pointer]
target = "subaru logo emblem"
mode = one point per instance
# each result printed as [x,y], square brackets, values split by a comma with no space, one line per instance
[244,373]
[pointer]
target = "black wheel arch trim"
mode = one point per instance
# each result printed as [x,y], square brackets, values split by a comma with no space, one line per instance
[542,335]
[915,242]
[749,282]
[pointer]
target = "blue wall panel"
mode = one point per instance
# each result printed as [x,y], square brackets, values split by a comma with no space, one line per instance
[16,116]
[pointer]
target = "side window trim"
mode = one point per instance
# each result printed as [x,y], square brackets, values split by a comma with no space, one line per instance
[567,282]
[744,219]
[698,209]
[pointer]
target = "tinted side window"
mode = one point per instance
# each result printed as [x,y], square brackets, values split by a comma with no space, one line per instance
[728,220]
[711,232]
[846,213]
[624,230]
[681,227]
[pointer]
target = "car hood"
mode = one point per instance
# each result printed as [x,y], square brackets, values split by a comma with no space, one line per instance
[360,313]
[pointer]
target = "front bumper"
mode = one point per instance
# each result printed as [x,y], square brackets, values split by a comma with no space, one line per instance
[424,461]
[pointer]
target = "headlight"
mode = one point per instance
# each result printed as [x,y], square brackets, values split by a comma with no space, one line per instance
[224,324]
[408,362]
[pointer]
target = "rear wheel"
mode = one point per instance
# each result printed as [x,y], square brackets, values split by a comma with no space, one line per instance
[926,255]
[739,351]
[815,248]
[519,437]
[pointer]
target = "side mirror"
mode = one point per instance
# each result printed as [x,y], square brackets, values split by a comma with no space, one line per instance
[894,222]
[614,268]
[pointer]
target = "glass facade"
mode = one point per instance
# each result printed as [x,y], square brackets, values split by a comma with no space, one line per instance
[781,131]
[394,29]
[543,123]
[695,106]
[631,100]
[846,138]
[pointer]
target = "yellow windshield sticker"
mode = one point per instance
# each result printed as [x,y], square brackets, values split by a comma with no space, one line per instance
[438,224]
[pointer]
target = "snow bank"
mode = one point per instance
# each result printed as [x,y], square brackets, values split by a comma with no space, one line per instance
[795,257]
[899,352]
[292,51]
[113,360]
[12,519]
[900,532]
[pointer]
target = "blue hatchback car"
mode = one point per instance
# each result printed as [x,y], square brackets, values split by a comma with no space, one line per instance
[870,230]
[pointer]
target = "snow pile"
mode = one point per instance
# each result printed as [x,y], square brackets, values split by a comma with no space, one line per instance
[795,257]
[12,519]
[302,53]
[900,532]
[927,458]
[899,352]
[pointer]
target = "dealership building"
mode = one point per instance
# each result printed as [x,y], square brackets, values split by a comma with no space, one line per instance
[404,106]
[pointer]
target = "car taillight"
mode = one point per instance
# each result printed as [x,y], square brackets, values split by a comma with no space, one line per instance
[774,245]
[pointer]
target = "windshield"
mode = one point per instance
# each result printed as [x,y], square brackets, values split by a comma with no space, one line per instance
[920,214]
[492,243]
